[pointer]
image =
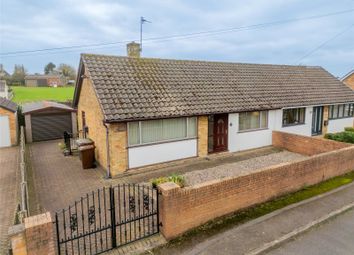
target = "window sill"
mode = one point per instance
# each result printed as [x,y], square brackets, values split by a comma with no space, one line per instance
[341,118]
[162,142]
[292,125]
[252,130]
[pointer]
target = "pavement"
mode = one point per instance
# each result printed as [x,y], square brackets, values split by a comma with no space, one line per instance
[8,192]
[334,236]
[264,233]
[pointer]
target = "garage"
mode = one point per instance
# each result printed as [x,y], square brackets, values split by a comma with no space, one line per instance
[8,123]
[48,120]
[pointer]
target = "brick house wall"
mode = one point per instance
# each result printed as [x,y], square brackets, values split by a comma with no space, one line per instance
[97,132]
[182,209]
[349,81]
[118,154]
[13,124]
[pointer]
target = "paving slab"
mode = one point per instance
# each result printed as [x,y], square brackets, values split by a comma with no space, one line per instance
[8,192]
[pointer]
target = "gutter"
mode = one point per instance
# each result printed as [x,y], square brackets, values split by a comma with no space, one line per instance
[108,174]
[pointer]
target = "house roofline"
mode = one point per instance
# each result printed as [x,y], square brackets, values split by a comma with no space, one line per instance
[347,75]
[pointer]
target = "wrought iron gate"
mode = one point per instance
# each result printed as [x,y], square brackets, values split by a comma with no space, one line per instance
[107,218]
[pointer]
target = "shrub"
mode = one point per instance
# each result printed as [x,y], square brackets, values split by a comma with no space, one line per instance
[178,179]
[346,137]
[158,181]
[349,129]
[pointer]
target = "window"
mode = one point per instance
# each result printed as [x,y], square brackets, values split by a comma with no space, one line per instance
[341,111]
[152,131]
[253,120]
[294,116]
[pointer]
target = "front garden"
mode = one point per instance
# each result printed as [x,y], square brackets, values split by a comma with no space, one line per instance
[347,136]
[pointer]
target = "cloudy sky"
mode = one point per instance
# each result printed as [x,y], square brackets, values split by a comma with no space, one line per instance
[37,24]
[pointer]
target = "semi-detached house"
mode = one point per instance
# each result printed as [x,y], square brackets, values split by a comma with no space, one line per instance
[143,111]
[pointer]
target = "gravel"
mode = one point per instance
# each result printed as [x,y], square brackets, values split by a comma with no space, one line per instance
[240,168]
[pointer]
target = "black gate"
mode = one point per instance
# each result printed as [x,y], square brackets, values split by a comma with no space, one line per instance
[107,218]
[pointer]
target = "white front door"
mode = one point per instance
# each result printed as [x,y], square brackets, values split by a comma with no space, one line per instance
[4,131]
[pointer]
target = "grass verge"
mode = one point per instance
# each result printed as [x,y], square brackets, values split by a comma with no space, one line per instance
[242,216]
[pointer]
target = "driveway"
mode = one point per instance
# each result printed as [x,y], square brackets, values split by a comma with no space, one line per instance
[59,180]
[8,192]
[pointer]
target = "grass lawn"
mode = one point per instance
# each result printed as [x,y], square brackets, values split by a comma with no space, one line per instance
[27,94]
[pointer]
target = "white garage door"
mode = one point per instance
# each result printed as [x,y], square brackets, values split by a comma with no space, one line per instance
[4,131]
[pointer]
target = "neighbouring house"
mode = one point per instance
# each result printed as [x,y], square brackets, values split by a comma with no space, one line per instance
[50,80]
[4,90]
[348,79]
[143,111]
[47,120]
[8,123]
[3,73]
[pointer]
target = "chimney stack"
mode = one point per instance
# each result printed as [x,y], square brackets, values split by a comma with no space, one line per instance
[133,50]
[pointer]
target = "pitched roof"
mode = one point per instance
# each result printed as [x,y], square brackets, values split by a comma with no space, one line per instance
[8,105]
[41,76]
[144,88]
[42,105]
[347,75]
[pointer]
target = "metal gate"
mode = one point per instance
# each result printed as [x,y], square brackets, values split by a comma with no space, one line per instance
[107,218]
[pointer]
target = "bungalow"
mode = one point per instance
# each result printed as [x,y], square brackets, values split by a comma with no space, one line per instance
[143,111]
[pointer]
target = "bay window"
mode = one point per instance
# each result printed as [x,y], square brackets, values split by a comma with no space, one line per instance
[295,116]
[153,131]
[253,120]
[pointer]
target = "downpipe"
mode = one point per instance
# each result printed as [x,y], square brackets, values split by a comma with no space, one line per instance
[108,174]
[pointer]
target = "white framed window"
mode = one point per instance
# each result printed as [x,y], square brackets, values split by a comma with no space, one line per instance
[341,111]
[154,131]
[253,120]
[294,116]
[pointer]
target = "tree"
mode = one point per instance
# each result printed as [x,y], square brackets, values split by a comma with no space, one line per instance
[18,76]
[68,71]
[49,68]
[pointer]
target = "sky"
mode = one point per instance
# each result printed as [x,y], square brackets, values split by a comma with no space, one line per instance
[37,24]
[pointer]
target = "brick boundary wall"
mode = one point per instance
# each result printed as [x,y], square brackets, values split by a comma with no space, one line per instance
[305,145]
[33,237]
[182,209]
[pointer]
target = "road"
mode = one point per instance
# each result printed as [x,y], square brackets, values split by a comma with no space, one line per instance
[335,236]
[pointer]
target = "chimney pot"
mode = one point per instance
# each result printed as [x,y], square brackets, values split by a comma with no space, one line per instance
[133,50]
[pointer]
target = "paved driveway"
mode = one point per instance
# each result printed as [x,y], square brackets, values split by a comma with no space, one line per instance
[8,192]
[59,180]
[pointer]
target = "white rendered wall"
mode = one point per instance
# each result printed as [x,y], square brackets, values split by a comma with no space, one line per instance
[162,152]
[304,129]
[239,141]
[338,125]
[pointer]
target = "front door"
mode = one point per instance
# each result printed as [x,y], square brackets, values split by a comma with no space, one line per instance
[220,132]
[317,119]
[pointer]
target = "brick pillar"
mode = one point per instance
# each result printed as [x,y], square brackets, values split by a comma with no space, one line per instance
[325,119]
[202,136]
[167,210]
[34,237]
[18,239]
[118,148]
[39,232]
